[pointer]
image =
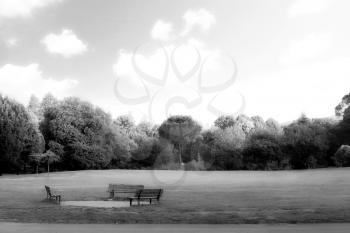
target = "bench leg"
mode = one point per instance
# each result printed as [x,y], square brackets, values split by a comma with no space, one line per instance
[150,201]
[130,202]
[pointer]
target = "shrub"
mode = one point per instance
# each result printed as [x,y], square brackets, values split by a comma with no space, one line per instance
[342,156]
[264,152]
[195,165]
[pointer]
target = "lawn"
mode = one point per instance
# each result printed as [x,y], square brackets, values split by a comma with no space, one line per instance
[307,196]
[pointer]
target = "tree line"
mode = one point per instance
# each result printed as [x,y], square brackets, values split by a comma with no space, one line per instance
[72,134]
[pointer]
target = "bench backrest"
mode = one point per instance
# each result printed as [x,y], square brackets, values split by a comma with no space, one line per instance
[48,190]
[122,188]
[144,193]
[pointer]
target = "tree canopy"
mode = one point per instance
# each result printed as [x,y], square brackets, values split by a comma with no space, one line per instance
[79,135]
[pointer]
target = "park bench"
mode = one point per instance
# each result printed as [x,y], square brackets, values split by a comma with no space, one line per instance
[146,195]
[122,191]
[51,196]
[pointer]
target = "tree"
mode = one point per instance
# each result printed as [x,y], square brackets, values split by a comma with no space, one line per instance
[47,103]
[342,106]
[34,112]
[224,122]
[48,157]
[227,146]
[179,130]
[18,136]
[342,156]
[34,106]
[37,159]
[245,123]
[273,127]
[264,151]
[125,122]
[144,137]
[342,130]
[165,158]
[85,132]
[308,143]
[259,123]
[122,146]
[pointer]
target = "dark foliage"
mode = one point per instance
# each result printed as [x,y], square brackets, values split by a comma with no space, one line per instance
[83,136]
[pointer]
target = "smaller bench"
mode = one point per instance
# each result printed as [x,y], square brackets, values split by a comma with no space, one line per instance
[122,191]
[51,196]
[146,194]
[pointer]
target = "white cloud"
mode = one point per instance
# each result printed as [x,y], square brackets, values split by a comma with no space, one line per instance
[22,8]
[310,47]
[11,42]
[20,82]
[314,89]
[304,7]
[162,30]
[66,44]
[182,77]
[201,18]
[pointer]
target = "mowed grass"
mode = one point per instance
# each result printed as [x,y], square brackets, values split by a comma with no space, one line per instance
[321,195]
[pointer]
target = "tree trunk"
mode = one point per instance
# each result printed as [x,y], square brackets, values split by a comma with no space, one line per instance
[48,168]
[180,154]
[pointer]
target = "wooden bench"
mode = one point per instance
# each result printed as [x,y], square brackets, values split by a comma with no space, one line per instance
[122,191]
[146,194]
[51,196]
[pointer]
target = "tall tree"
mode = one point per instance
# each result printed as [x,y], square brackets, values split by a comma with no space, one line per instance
[34,106]
[224,122]
[342,106]
[84,131]
[343,128]
[18,135]
[180,130]
[308,143]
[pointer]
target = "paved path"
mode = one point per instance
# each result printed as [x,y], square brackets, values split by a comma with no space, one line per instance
[104,228]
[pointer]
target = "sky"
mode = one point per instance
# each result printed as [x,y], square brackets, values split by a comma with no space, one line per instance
[155,58]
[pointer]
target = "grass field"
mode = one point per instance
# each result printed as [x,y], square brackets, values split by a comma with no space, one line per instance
[309,196]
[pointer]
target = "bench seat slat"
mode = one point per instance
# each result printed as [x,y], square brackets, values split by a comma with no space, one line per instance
[146,194]
[115,189]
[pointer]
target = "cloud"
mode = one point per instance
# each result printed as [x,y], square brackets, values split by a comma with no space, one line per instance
[22,8]
[304,7]
[181,77]
[11,42]
[310,47]
[66,44]
[201,18]
[162,30]
[20,82]
[314,89]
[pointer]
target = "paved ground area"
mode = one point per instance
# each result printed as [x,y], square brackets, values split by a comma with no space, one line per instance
[104,228]
[99,204]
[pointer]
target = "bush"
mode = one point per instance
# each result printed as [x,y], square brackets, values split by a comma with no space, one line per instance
[308,143]
[168,166]
[166,157]
[342,156]
[195,165]
[226,159]
[264,152]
